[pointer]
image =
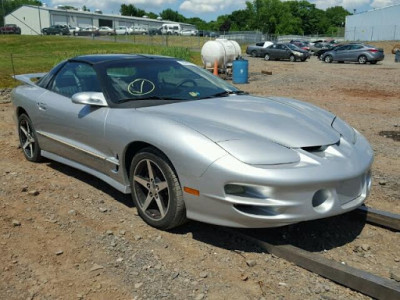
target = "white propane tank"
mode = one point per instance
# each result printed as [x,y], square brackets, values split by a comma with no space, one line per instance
[222,50]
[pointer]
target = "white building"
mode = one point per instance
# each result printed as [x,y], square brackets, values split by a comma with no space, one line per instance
[31,19]
[381,24]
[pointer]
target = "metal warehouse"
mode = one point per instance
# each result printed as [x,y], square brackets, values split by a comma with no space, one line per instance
[381,24]
[31,19]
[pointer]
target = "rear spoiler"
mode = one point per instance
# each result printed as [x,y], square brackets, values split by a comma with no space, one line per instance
[27,78]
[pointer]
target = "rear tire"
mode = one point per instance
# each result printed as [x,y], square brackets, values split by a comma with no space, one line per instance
[266,57]
[156,191]
[254,53]
[362,59]
[292,58]
[28,139]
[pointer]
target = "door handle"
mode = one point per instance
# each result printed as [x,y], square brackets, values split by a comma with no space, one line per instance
[42,106]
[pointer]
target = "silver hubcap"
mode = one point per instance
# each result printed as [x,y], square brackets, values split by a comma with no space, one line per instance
[27,140]
[362,60]
[266,57]
[151,189]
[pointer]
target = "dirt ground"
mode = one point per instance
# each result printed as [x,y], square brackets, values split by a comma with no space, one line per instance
[67,235]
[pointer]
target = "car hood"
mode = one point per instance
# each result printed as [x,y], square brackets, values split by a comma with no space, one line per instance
[287,122]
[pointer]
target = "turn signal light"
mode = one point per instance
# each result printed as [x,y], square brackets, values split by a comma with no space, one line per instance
[191,191]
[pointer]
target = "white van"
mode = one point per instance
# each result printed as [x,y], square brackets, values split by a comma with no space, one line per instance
[170,29]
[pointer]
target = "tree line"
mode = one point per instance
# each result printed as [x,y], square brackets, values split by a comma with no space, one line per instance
[268,16]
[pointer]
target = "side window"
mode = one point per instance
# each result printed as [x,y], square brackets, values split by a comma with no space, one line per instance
[347,47]
[356,47]
[75,77]
[260,44]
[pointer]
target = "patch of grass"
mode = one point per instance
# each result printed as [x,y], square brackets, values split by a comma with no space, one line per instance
[33,54]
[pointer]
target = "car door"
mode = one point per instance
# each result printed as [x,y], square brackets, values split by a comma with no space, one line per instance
[340,53]
[73,131]
[283,52]
[272,51]
[354,52]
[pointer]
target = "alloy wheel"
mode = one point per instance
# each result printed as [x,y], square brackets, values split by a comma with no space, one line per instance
[151,189]
[27,139]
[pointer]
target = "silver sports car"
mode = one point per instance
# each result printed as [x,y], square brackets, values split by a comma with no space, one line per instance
[187,145]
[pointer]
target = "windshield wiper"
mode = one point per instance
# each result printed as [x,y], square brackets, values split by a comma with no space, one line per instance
[226,94]
[148,98]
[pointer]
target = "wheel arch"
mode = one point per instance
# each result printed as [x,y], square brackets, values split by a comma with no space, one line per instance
[135,147]
[20,111]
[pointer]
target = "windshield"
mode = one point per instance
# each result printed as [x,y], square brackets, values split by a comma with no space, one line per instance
[293,47]
[160,79]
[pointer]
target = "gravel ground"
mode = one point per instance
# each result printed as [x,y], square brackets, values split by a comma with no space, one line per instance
[67,235]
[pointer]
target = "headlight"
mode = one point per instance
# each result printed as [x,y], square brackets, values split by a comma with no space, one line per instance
[344,129]
[297,53]
[260,152]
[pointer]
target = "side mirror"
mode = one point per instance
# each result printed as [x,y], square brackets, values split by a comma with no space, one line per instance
[89,98]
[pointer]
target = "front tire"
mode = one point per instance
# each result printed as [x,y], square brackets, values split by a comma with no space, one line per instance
[28,139]
[156,191]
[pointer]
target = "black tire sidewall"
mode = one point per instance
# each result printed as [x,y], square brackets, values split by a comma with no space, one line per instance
[175,191]
[36,152]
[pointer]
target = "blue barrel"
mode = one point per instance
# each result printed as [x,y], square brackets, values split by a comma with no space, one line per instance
[240,71]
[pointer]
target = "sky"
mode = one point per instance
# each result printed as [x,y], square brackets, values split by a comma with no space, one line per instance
[207,9]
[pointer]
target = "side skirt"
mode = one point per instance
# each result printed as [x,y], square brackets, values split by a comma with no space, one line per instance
[115,184]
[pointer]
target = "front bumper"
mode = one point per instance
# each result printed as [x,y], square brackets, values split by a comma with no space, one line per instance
[322,184]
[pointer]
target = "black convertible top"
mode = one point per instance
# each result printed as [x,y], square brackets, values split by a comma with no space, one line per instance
[101,58]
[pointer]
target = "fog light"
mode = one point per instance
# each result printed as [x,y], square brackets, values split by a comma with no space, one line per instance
[322,201]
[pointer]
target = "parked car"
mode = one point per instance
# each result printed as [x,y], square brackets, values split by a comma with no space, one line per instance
[284,51]
[171,29]
[155,31]
[255,50]
[56,29]
[315,47]
[320,52]
[189,32]
[360,53]
[301,45]
[72,28]
[137,30]
[206,33]
[10,29]
[88,31]
[157,128]
[121,30]
[105,30]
